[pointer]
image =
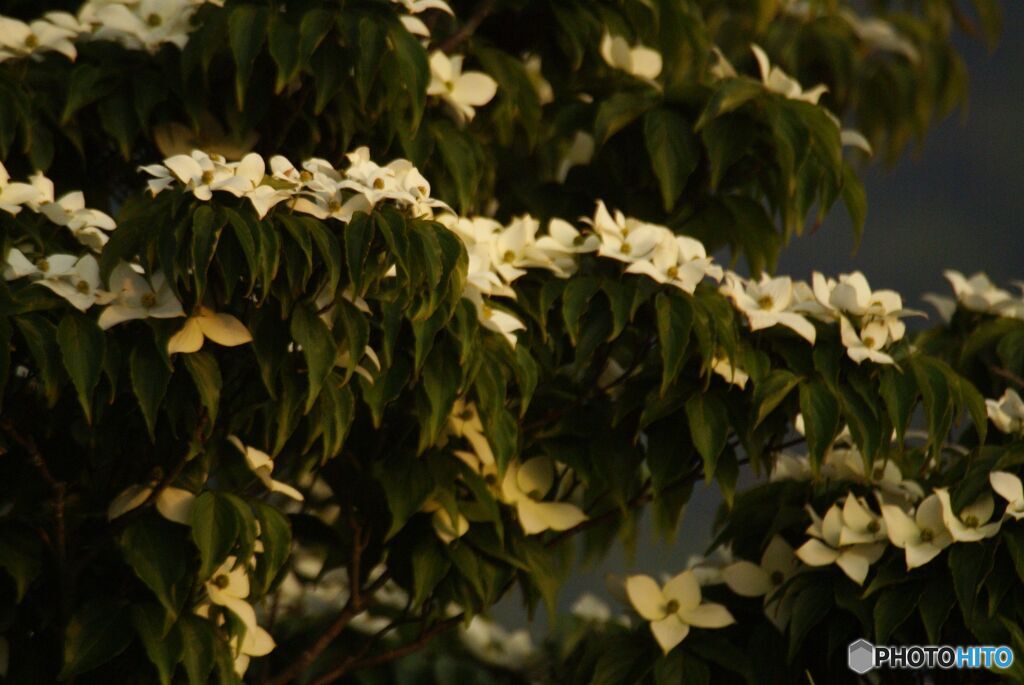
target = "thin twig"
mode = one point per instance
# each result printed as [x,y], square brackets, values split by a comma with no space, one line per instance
[465,31]
[1007,375]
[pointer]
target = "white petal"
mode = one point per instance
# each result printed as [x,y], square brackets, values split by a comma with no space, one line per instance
[646,597]
[816,553]
[175,504]
[223,329]
[747,579]
[708,615]
[684,589]
[669,632]
[1007,485]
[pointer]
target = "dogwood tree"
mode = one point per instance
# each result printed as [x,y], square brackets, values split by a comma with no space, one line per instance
[328,325]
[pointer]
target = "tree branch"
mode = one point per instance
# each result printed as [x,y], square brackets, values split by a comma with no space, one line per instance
[465,31]
[1006,374]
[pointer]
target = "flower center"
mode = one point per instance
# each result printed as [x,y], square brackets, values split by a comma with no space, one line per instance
[82,287]
[490,479]
[32,41]
[927,535]
[43,265]
[765,302]
[626,248]
[578,241]
[873,527]
[333,206]
[154,20]
[305,176]
[378,183]
[508,257]
[971,521]
[672,607]
[777,578]
[673,272]
[487,312]
[148,300]
[869,341]
[207,177]
[221,581]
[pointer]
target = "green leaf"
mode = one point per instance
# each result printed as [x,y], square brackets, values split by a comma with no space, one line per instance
[820,410]
[680,667]
[283,41]
[150,376]
[82,346]
[575,298]
[624,659]
[86,84]
[318,348]
[809,608]
[856,202]
[429,566]
[968,565]
[709,426]
[215,529]
[41,338]
[619,111]
[21,555]
[247,29]
[96,633]
[205,234]
[358,235]
[674,321]
[276,536]
[936,601]
[731,94]
[205,374]
[156,552]
[338,408]
[413,67]
[899,391]
[163,646]
[197,659]
[248,236]
[893,608]
[371,46]
[771,391]
[673,151]
[407,484]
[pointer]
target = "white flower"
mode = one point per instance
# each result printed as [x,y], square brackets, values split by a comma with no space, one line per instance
[1007,413]
[766,303]
[417,6]
[492,644]
[202,174]
[14,195]
[525,486]
[79,285]
[852,549]
[513,249]
[973,523]
[229,587]
[17,265]
[732,374]
[590,608]
[447,529]
[640,60]
[673,608]
[223,329]
[87,225]
[1009,487]
[622,239]
[138,24]
[778,81]
[464,91]
[19,39]
[132,297]
[880,35]
[866,345]
[778,564]
[677,260]
[494,319]
[923,536]
[562,245]
[978,293]
[174,504]
[581,151]
[847,463]
[262,464]
[532,65]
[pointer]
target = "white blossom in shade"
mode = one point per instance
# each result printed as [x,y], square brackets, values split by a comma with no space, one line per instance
[721,68]
[262,464]
[223,329]
[790,467]
[49,34]
[417,6]
[847,463]
[673,608]
[731,373]
[978,293]
[513,249]
[229,587]
[14,195]
[532,65]
[464,422]
[580,151]
[131,296]
[493,644]
[17,265]
[142,24]
[639,60]
[974,521]
[677,260]
[778,563]
[778,81]
[866,345]
[1007,413]
[922,535]
[200,173]
[1008,486]
[563,244]
[87,225]
[174,504]
[463,91]
[826,547]
[446,528]
[879,34]
[526,485]
[495,319]
[622,239]
[79,285]
[589,608]
[944,306]
[766,303]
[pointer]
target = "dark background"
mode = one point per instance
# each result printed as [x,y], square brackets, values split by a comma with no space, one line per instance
[955,202]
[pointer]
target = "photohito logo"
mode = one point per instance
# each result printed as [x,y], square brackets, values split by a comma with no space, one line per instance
[862,656]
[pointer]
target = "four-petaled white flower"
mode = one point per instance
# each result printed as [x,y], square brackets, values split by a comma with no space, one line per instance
[146,24]
[677,260]
[1009,487]
[778,564]
[463,91]
[87,225]
[1007,413]
[639,60]
[174,504]
[978,293]
[849,537]
[766,303]
[867,344]
[79,285]
[778,81]
[229,587]
[923,536]
[131,297]
[674,608]
[223,329]
[51,33]
[526,485]
[14,195]
[262,464]
[973,523]
[622,239]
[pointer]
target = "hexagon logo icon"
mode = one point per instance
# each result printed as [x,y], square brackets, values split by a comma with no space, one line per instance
[861,656]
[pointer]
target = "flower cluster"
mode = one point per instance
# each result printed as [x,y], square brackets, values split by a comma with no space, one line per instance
[136,24]
[978,294]
[869,321]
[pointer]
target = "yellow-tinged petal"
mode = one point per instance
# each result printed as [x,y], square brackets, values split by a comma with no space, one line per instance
[130,498]
[646,597]
[684,589]
[223,329]
[188,340]
[669,632]
[747,579]
[816,553]
[175,504]
[708,615]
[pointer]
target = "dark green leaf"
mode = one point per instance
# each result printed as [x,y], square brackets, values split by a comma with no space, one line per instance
[96,633]
[673,151]
[215,529]
[674,320]
[82,345]
[709,426]
[318,348]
